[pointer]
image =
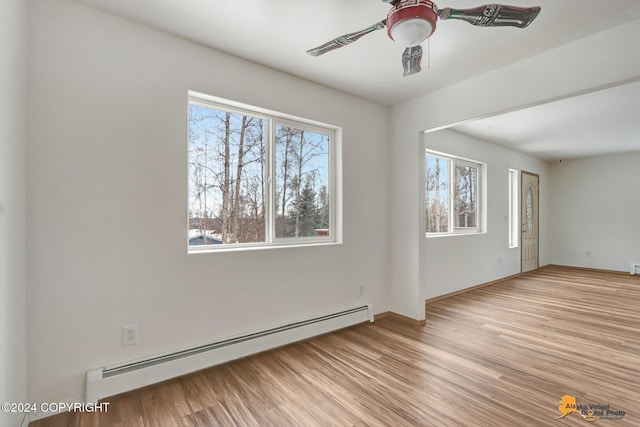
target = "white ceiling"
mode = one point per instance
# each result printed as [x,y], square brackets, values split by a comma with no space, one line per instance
[594,124]
[277,33]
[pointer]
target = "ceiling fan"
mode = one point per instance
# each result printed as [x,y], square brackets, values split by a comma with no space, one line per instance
[411,22]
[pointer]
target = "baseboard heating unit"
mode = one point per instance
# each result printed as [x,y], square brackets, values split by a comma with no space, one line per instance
[111,380]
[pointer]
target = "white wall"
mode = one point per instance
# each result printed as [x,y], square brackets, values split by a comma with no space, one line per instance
[595,207]
[597,61]
[457,262]
[13,85]
[107,198]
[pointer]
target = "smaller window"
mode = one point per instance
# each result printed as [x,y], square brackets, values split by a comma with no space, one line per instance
[513,208]
[452,194]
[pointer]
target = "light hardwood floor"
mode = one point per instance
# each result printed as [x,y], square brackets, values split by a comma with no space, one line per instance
[502,355]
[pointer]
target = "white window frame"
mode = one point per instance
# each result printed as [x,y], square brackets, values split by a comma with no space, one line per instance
[514,203]
[481,194]
[272,119]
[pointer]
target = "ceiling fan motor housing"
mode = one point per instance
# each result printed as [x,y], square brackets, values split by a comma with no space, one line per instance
[410,22]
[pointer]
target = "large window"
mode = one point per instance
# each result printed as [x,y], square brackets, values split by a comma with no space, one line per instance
[452,194]
[259,178]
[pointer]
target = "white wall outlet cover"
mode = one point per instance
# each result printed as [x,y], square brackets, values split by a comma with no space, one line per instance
[130,335]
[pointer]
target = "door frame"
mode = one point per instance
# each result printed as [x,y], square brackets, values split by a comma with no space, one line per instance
[522,214]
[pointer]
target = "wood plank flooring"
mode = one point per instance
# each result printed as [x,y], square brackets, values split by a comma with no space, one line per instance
[502,355]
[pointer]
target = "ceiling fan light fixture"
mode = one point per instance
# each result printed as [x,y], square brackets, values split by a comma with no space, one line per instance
[410,22]
[411,32]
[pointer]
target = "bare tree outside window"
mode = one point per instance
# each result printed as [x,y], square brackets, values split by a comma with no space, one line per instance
[437,194]
[226,171]
[466,196]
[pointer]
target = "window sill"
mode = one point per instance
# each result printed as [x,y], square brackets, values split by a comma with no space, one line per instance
[247,248]
[438,235]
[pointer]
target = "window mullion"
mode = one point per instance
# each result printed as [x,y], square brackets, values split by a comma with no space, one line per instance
[452,193]
[269,203]
[332,184]
[478,183]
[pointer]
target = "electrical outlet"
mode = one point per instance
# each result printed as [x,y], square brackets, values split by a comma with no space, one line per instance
[130,335]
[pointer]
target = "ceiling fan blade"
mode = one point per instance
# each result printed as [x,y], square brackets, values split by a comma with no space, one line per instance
[493,15]
[411,60]
[345,39]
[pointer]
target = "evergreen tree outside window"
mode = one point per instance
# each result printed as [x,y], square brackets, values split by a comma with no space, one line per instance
[302,198]
[259,178]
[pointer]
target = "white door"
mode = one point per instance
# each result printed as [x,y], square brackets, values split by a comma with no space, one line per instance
[529,214]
